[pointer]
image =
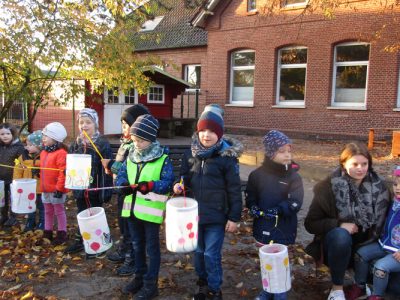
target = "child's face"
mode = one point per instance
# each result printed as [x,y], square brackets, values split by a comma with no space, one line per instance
[284,155]
[208,138]
[6,136]
[396,187]
[125,128]
[86,124]
[139,143]
[32,149]
[47,141]
[356,167]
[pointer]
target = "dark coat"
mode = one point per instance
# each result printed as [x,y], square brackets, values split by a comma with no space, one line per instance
[100,178]
[272,185]
[8,153]
[215,183]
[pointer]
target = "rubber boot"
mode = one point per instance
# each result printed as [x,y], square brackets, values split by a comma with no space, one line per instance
[148,291]
[48,234]
[61,238]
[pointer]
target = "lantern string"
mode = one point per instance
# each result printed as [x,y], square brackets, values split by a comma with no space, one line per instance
[28,167]
[94,146]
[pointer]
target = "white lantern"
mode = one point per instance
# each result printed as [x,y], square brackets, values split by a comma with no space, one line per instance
[2,196]
[181,224]
[275,268]
[94,230]
[78,171]
[23,196]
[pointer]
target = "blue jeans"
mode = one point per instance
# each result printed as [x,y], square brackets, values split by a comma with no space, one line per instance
[385,264]
[207,258]
[40,208]
[337,251]
[145,239]
[268,296]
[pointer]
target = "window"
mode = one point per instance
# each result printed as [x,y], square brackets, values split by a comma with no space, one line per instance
[291,76]
[193,75]
[251,5]
[112,95]
[150,25]
[242,77]
[350,74]
[130,97]
[156,94]
[294,3]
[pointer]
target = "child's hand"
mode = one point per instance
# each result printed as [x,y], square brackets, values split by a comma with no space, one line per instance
[396,255]
[105,162]
[178,188]
[350,227]
[230,226]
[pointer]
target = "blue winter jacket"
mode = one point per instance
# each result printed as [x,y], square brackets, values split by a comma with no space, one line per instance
[277,186]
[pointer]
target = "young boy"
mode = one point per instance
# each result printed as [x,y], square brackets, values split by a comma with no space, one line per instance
[211,174]
[274,195]
[386,251]
[147,175]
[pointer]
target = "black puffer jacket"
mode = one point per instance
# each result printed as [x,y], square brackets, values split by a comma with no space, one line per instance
[8,153]
[215,183]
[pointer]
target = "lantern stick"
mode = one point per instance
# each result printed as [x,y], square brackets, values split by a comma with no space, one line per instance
[39,168]
[94,146]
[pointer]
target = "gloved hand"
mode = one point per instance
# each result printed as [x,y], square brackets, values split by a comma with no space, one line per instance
[35,173]
[126,189]
[256,212]
[57,194]
[145,187]
[272,212]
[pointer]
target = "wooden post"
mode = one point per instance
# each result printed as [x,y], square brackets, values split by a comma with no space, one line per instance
[182,105]
[371,138]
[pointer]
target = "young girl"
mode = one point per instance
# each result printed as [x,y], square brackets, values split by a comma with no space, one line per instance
[31,158]
[54,156]
[386,251]
[88,121]
[274,195]
[10,149]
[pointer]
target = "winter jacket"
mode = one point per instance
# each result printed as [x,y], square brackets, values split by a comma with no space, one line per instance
[275,186]
[214,183]
[23,170]
[8,154]
[98,175]
[53,180]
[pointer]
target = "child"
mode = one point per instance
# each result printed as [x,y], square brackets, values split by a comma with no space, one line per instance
[211,175]
[53,156]
[386,251]
[150,171]
[124,252]
[88,121]
[31,158]
[10,149]
[274,195]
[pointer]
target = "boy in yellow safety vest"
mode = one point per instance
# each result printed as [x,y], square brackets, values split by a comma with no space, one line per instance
[148,176]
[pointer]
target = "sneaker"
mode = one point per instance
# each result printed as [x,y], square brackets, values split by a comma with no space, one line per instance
[118,256]
[76,247]
[214,295]
[354,292]
[336,295]
[203,290]
[97,255]
[128,268]
[133,287]
[147,292]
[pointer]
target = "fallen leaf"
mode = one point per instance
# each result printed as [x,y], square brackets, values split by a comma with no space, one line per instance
[5,252]
[27,295]
[239,285]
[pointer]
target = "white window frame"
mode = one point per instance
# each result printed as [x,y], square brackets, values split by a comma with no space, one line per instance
[134,96]
[121,97]
[163,94]
[294,5]
[191,89]
[238,68]
[278,78]
[106,96]
[249,3]
[345,64]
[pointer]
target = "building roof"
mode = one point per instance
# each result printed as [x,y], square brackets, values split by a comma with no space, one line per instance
[199,19]
[174,30]
[160,76]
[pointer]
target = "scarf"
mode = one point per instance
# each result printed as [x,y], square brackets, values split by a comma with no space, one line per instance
[152,152]
[202,152]
[52,148]
[364,205]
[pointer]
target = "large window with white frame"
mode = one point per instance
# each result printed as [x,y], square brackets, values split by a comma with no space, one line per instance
[130,96]
[112,95]
[192,74]
[350,74]
[117,96]
[294,3]
[291,76]
[156,94]
[242,77]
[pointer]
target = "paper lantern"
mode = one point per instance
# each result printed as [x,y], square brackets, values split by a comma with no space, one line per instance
[94,230]
[275,268]
[181,224]
[23,196]
[2,196]
[78,171]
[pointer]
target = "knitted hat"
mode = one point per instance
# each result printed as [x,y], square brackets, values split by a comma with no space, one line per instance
[145,127]
[35,138]
[130,114]
[396,171]
[273,140]
[211,118]
[91,114]
[56,131]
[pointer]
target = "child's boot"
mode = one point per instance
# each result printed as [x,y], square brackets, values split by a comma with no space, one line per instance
[48,234]
[118,256]
[40,225]
[30,223]
[214,295]
[203,290]
[76,246]
[3,215]
[61,238]
[134,286]
[12,220]
[148,291]
[128,267]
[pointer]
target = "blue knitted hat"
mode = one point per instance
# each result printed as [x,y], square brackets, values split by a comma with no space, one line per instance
[145,127]
[211,119]
[273,140]
[35,138]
